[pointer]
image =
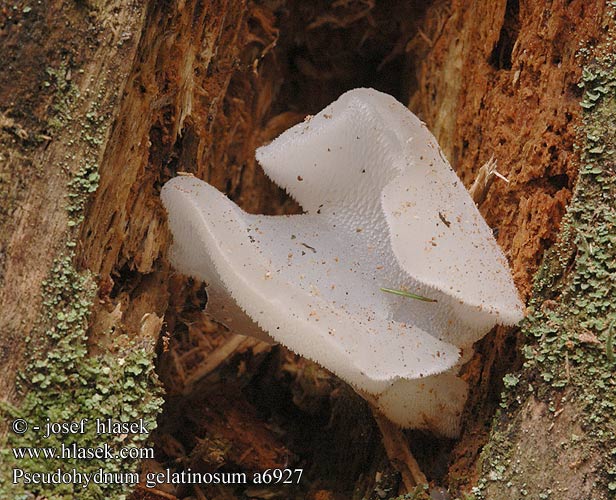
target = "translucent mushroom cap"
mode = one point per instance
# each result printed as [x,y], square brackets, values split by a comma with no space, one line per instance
[383,208]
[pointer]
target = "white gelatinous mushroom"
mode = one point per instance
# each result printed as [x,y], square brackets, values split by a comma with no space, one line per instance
[383,208]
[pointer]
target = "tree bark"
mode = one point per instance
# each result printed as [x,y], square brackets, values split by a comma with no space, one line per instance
[102,102]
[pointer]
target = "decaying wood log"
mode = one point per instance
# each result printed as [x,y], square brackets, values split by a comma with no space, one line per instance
[102,102]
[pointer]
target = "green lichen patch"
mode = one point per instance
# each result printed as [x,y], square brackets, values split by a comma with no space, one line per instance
[80,187]
[66,95]
[64,381]
[65,384]
[86,120]
[570,325]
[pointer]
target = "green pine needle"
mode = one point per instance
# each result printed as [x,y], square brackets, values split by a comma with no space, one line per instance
[410,295]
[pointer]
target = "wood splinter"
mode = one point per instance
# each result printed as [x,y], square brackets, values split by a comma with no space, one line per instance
[485,176]
[398,452]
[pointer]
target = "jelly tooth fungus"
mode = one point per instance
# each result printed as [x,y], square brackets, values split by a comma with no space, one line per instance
[383,208]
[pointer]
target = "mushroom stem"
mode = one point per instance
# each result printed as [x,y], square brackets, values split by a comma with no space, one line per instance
[398,451]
